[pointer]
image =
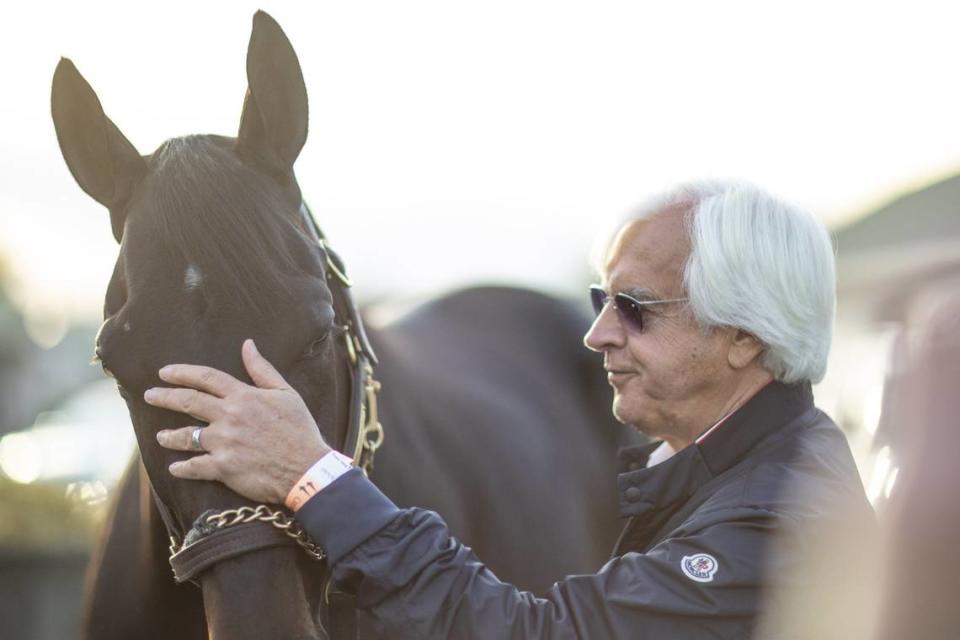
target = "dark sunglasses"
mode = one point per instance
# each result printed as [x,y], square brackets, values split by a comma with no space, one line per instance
[629,309]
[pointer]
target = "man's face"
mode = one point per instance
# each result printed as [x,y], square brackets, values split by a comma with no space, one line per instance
[671,378]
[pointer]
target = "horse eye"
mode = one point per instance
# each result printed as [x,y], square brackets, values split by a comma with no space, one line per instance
[98,359]
[316,347]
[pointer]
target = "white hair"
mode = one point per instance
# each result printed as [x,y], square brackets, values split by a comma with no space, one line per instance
[761,265]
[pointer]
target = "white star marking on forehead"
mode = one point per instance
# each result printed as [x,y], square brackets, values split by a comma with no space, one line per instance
[192,278]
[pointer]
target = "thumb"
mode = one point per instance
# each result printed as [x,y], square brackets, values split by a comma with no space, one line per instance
[259,369]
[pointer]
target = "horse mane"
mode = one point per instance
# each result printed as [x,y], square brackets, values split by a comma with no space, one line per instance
[224,218]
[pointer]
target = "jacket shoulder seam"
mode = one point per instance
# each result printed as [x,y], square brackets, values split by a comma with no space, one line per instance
[749,508]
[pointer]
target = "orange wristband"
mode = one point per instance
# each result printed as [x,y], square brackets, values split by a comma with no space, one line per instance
[324,471]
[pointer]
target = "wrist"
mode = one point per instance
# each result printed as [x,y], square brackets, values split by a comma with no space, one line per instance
[327,468]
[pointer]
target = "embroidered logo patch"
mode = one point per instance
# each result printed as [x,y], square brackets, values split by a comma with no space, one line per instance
[700,567]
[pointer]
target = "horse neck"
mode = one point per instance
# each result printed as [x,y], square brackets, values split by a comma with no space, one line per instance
[264,594]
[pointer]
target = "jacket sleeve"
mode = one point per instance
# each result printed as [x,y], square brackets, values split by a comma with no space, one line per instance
[419,582]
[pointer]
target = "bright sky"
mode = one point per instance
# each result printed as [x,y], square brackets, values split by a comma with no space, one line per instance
[452,142]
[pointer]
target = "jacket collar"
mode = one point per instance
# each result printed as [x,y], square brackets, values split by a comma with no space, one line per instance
[661,489]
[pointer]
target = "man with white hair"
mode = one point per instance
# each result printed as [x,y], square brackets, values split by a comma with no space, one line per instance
[714,316]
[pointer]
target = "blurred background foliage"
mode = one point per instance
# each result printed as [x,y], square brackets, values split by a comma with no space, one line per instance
[40,516]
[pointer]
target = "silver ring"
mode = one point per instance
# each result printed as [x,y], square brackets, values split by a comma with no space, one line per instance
[195,440]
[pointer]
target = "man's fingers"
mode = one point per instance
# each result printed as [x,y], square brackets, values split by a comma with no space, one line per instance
[260,370]
[190,401]
[176,439]
[208,379]
[198,468]
[182,439]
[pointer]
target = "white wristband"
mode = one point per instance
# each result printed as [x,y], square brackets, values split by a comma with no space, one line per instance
[324,471]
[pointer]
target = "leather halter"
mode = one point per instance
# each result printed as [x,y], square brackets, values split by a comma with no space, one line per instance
[209,541]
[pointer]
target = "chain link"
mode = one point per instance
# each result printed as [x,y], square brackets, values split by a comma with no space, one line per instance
[277,518]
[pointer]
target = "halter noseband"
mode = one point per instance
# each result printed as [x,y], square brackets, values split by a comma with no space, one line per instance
[219,535]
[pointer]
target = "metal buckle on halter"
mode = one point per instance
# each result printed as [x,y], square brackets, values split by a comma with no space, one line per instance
[352,347]
[370,434]
[333,265]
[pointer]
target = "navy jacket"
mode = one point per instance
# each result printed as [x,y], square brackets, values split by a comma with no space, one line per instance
[693,560]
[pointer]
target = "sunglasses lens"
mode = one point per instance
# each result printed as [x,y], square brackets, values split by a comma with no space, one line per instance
[630,311]
[598,298]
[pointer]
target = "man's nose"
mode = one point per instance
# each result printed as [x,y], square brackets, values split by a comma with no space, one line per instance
[605,332]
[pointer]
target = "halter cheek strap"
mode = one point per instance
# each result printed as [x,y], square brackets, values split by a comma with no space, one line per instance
[364,432]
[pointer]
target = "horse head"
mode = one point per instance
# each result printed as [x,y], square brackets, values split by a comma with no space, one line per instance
[215,247]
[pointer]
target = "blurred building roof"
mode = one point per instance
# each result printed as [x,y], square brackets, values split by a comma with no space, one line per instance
[886,256]
[928,215]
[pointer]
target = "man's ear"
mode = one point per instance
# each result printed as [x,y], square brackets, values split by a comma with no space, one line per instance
[101,159]
[744,349]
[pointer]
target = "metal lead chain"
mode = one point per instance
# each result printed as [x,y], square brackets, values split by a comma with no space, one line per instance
[263,513]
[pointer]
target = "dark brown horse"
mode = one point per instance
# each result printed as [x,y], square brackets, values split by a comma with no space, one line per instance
[495,415]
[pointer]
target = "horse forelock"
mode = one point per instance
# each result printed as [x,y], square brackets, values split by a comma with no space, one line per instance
[227,223]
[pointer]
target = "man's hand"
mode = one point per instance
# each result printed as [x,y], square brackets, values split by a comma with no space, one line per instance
[260,440]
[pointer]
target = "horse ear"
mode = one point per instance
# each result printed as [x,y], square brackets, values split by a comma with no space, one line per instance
[273,126]
[101,159]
